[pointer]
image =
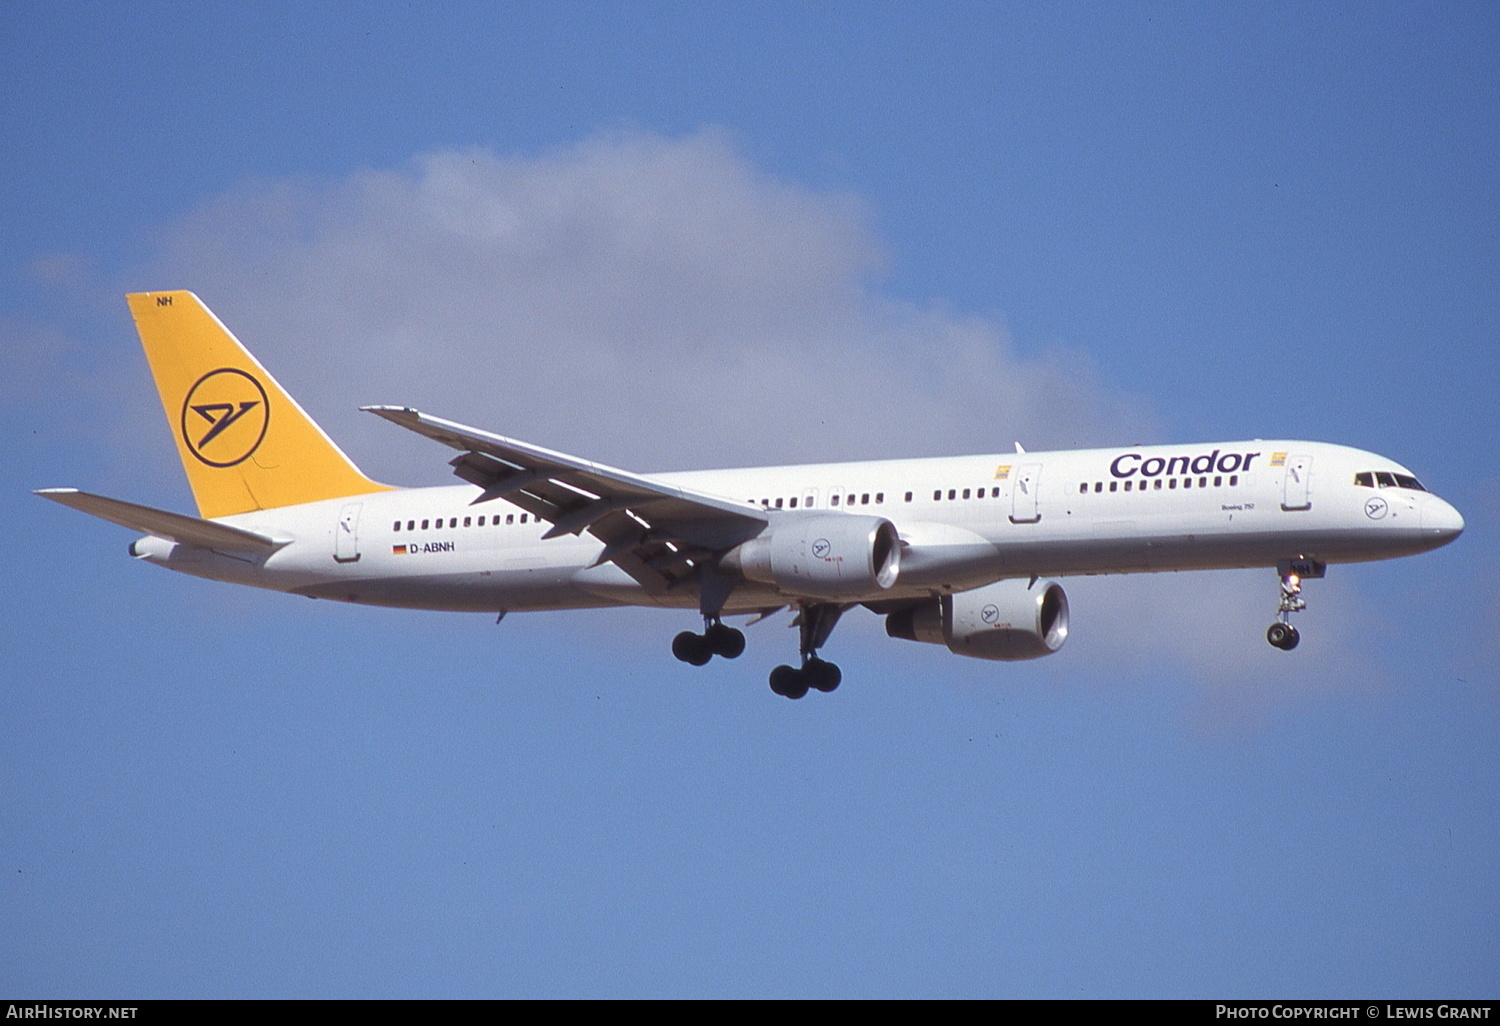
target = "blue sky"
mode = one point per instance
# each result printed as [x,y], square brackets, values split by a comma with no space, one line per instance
[675,236]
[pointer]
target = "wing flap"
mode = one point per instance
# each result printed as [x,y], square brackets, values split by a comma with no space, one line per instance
[588,481]
[656,532]
[175,527]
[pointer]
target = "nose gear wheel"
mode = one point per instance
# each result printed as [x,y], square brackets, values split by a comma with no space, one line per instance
[1282,634]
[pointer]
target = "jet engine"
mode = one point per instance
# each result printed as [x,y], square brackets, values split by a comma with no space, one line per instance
[1007,620]
[831,556]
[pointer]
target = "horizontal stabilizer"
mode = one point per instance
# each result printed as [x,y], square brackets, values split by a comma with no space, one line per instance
[175,527]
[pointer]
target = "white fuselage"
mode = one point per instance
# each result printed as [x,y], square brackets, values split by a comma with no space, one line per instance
[963,521]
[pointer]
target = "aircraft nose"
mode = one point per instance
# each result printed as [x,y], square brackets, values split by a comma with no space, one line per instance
[1441,520]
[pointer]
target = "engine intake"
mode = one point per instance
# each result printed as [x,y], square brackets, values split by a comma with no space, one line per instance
[1007,620]
[833,556]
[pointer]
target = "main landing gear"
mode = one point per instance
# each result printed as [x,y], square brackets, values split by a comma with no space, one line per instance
[816,674]
[815,621]
[1282,634]
[717,639]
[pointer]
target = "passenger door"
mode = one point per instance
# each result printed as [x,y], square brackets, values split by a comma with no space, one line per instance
[346,535]
[1297,488]
[1025,482]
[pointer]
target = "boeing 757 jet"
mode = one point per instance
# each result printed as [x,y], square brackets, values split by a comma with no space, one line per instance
[956,551]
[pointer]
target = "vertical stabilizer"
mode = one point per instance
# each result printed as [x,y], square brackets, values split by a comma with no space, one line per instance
[244,442]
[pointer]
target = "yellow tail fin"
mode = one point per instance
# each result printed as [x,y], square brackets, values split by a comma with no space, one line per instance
[244,442]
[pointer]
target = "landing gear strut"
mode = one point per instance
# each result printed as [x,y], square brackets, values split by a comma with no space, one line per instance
[1282,634]
[815,621]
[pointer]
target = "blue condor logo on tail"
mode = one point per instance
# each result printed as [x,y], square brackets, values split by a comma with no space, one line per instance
[1132,463]
[222,400]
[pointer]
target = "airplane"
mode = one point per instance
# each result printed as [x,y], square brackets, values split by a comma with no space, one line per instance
[954,551]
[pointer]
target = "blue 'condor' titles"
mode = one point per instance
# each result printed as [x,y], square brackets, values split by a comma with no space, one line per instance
[1132,463]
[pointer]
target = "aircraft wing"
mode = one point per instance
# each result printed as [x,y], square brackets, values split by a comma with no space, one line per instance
[175,527]
[655,532]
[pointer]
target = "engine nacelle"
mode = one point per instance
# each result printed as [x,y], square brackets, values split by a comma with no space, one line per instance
[1007,620]
[833,556]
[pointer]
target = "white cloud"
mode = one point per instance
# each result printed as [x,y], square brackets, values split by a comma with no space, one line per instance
[653,302]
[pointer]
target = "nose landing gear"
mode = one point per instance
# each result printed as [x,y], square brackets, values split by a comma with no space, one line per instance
[1282,634]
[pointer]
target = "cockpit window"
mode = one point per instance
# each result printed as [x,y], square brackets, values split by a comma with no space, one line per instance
[1368,479]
